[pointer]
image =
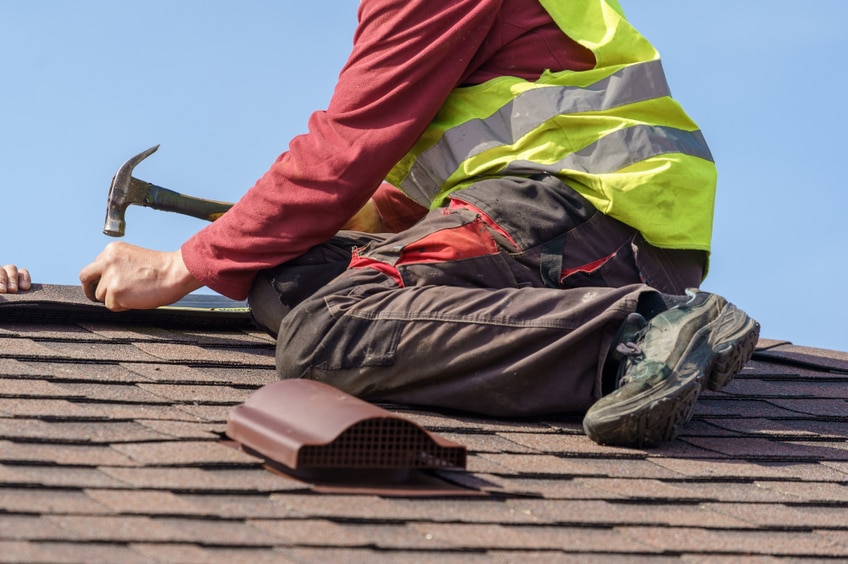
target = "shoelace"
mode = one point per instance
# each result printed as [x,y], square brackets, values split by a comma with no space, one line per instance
[626,350]
[629,352]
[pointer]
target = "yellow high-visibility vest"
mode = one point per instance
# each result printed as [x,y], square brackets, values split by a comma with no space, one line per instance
[613,133]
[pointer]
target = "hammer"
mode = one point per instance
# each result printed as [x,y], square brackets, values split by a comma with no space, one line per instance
[127,190]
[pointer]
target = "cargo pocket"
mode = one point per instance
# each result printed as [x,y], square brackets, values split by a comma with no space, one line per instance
[357,342]
[613,271]
[598,252]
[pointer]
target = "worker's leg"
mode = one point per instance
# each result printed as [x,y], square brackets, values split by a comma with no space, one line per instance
[455,312]
[508,351]
[276,291]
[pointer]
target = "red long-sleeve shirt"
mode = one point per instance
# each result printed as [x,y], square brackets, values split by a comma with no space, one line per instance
[408,55]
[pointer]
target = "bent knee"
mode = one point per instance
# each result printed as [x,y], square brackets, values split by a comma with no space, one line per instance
[266,308]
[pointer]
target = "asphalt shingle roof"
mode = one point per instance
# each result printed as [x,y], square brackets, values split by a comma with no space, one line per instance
[111,450]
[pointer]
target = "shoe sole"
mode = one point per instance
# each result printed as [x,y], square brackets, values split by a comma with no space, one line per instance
[714,356]
[736,339]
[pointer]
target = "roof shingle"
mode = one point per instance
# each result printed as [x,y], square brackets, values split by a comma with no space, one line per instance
[111,449]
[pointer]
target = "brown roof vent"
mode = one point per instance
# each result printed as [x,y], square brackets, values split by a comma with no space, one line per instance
[318,432]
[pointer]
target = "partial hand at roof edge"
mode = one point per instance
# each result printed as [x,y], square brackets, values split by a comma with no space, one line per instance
[13,279]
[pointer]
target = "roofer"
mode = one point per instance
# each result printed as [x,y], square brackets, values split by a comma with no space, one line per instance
[570,206]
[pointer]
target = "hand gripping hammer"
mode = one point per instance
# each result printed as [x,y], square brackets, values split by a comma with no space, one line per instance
[127,190]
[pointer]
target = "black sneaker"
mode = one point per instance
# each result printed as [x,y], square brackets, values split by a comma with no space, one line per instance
[703,342]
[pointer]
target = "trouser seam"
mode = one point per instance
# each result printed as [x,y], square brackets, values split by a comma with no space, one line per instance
[504,322]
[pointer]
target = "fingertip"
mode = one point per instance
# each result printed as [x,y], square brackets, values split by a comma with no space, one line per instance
[24,279]
[3,280]
[90,290]
[83,274]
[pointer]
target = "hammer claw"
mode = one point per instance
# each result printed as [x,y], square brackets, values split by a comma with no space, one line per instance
[126,190]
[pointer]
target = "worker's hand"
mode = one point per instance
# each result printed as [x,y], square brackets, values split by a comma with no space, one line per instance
[366,220]
[13,279]
[126,277]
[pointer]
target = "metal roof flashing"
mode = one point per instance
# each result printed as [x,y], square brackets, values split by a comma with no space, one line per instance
[318,432]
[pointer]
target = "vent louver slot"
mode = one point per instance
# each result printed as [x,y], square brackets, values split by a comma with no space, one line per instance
[310,427]
[380,443]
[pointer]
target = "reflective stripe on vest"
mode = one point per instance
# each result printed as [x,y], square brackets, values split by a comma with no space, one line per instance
[534,107]
[621,149]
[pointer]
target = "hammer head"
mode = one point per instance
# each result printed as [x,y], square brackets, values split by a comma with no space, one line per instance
[123,192]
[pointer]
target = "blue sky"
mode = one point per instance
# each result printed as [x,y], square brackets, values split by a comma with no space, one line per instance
[224,86]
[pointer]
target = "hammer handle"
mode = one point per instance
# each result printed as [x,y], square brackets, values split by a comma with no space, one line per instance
[164,199]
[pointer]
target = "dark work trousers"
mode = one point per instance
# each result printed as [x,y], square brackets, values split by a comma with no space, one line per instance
[504,303]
